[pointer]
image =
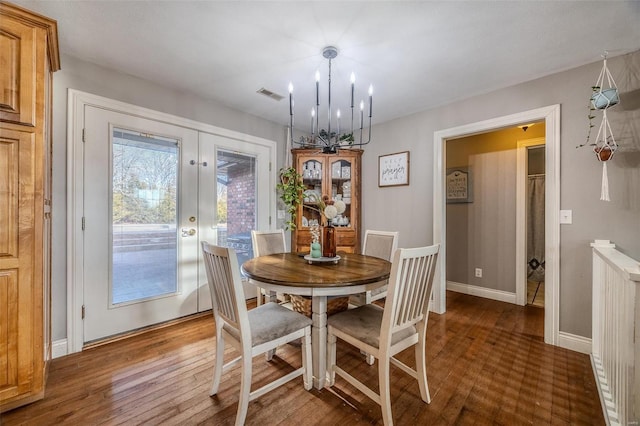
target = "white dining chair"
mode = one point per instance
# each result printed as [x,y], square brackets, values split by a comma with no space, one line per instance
[265,243]
[384,332]
[253,332]
[381,244]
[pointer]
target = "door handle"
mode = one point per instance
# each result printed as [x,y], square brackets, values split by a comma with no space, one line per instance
[188,232]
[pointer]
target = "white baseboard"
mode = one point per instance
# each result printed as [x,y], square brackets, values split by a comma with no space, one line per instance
[59,348]
[574,342]
[487,293]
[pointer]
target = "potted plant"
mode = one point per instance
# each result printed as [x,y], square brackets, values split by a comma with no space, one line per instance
[290,189]
[605,145]
[590,116]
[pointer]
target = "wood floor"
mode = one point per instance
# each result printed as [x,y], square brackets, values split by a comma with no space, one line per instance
[487,364]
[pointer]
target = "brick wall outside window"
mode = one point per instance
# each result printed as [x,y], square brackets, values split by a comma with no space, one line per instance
[241,201]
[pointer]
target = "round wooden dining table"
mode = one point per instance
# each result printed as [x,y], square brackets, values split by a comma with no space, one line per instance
[291,273]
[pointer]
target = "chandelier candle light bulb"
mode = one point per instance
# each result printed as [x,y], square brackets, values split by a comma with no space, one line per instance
[291,99]
[317,88]
[353,82]
[361,118]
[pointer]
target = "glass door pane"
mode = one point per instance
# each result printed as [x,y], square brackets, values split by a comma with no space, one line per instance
[236,195]
[312,179]
[236,201]
[341,189]
[144,220]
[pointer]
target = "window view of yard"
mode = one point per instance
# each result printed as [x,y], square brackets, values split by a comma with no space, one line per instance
[144,188]
[144,213]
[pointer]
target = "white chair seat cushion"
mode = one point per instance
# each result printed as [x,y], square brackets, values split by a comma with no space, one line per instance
[364,324]
[271,321]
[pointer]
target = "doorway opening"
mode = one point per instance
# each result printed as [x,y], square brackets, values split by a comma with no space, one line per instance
[550,115]
[495,184]
[534,208]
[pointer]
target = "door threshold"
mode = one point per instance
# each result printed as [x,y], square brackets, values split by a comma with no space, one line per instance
[142,330]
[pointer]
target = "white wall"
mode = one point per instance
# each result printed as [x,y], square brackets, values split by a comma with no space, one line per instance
[408,209]
[84,76]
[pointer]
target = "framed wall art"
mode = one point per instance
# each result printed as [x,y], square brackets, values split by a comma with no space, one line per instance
[393,169]
[459,185]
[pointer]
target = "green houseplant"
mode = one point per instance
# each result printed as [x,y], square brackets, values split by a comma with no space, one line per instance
[290,190]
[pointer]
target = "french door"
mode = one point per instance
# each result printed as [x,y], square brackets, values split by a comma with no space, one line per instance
[140,250]
[152,192]
[234,198]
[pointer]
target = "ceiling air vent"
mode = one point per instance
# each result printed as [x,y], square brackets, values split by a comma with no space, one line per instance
[270,94]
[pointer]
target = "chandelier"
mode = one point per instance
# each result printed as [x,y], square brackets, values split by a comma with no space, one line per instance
[332,138]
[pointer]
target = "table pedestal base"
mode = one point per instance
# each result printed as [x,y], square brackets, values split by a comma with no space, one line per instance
[319,340]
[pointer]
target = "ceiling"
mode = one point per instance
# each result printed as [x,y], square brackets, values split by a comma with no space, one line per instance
[417,55]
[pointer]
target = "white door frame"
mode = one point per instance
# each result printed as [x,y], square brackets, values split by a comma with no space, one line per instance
[76,103]
[521,216]
[551,117]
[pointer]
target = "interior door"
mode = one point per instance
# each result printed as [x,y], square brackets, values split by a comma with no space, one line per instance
[235,197]
[140,222]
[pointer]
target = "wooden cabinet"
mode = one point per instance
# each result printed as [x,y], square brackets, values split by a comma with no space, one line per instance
[338,177]
[28,55]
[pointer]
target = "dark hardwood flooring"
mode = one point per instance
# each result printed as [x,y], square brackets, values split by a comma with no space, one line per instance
[487,364]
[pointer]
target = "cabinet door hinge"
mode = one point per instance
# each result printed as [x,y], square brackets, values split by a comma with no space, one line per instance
[82,311]
[269,220]
[83,223]
[83,135]
[269,165]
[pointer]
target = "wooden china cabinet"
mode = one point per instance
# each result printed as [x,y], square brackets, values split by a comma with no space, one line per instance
[338,177]
[28,57]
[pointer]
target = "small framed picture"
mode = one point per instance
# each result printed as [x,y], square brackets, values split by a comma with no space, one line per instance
[393,169]
[459,185]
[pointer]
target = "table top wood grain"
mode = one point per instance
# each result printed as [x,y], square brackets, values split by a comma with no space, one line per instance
[291,269]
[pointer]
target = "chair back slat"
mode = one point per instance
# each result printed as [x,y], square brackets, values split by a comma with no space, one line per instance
[380,244]
[225,285]
[410,286]
[268,242]
[420,305]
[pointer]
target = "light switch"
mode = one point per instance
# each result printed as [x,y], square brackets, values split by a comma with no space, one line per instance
[566,217]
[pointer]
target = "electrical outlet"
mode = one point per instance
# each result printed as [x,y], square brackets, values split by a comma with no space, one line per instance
[478,273]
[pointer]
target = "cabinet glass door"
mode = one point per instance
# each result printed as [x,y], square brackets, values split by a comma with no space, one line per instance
[312,177]
[341,189]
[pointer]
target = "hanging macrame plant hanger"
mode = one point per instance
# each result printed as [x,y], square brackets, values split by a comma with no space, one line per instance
[605,145]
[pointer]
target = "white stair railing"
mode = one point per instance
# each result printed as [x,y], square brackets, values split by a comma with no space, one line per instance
[615,353]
